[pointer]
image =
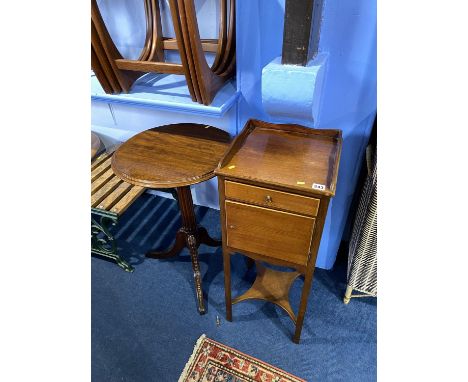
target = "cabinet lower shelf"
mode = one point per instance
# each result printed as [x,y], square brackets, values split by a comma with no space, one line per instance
[273,286]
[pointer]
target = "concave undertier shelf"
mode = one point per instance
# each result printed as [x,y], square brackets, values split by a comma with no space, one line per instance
[169,92]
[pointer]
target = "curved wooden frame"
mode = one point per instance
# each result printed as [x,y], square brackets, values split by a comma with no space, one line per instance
[221,35]
[112,54]
[228,62]
[209,81]
[117,74]
[101,65]
[149,33]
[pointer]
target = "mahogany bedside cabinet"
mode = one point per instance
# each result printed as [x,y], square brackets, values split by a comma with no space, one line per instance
[275,183]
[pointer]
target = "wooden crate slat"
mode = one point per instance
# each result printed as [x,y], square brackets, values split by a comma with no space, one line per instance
[101,158]
[103,167]
[128,199]
[102,180]
[108,191]
[105,190]
[114,197]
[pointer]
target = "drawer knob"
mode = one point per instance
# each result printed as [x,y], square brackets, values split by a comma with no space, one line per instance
[231,226]
[268,199]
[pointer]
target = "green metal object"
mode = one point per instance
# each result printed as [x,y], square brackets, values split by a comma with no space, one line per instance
[102,241]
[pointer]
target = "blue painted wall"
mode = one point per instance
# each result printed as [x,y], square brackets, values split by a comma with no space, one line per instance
[348,93]
[347,98]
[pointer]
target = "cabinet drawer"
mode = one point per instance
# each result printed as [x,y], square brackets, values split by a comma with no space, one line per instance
[276,234]
[272,198]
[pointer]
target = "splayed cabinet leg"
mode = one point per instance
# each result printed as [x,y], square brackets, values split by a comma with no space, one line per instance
[227,283]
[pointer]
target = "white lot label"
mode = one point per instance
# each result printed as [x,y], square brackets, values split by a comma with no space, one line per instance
[317,186]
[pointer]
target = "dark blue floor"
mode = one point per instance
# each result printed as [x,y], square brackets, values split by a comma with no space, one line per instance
[145,323]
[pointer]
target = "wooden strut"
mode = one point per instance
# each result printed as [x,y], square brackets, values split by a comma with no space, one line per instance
[117,74]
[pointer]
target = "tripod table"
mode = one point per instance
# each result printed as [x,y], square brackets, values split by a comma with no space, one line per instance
[175,156]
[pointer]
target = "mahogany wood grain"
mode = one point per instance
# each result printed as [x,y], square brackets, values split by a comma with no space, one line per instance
[117,74]
[265,231]
[102,61]
[147,66]
[208,81]
[177,156]
[125,78]
[252,256]
[187,236]
[157,50]
[222,35]
[273,286]
[309,273]
[271,198]
[226,252]
[185,47]
[149,32]
[188,27]
[287,155]
[230,70]
[208,45]
[99,72]
[171,156]
[226,67]
[268,171]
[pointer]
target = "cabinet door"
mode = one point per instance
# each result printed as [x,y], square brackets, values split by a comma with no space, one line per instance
[271,233]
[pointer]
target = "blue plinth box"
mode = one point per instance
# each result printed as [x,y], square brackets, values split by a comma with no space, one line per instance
[292,91]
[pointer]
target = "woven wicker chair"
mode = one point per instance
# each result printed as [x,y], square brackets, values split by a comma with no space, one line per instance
[362,260]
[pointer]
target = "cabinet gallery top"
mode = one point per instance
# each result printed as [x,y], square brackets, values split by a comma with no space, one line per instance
[290,156]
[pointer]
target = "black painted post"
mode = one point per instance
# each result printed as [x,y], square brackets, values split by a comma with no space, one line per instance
[302,19]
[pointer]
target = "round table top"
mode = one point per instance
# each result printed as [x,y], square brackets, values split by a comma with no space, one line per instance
[95,144]
[171,156]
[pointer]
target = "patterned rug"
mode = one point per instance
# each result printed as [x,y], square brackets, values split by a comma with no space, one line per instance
[212,361]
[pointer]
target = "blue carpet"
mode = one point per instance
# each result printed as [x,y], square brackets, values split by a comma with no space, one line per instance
[145,323]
